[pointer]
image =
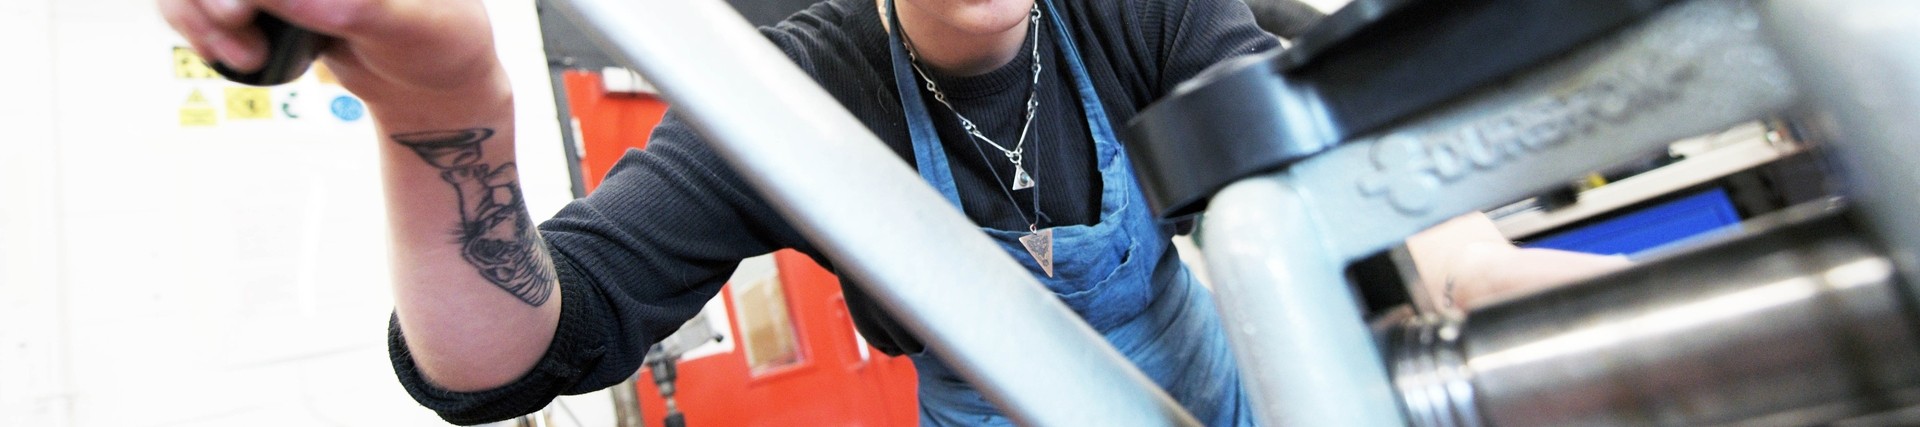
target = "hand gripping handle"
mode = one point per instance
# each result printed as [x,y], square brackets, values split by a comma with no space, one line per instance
[290,50]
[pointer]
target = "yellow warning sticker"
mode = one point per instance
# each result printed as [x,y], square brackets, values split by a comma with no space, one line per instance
[188,65]
[249,103]
[197,112]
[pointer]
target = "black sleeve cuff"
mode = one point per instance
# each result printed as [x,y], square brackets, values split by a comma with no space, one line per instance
[578,344]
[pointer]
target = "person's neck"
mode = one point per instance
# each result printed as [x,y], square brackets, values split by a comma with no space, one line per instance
[955,51]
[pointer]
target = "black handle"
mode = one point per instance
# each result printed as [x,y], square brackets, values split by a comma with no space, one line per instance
[290,50]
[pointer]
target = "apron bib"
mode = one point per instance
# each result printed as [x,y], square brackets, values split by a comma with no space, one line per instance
[1103,272]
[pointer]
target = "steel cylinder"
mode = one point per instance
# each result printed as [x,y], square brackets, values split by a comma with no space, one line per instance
[1797,324]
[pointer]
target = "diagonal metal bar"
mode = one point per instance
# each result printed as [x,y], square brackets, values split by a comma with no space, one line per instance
[827,174]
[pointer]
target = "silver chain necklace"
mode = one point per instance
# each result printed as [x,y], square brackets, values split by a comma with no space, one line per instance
[1021,180]
[1038,242]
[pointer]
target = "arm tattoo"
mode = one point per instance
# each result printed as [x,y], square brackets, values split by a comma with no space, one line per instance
[495,234]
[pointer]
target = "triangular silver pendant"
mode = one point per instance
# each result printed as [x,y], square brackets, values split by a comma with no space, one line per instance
[1040,245]
[1021,180]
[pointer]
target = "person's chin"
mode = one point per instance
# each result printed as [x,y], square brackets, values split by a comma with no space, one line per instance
[984,16]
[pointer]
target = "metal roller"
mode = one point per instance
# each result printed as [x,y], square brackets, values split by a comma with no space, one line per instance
[1798,325]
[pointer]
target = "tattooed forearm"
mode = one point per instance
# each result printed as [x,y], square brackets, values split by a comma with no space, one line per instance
[495,234]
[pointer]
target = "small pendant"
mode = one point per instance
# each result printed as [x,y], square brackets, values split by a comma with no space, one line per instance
[1021,180]
[1040,245]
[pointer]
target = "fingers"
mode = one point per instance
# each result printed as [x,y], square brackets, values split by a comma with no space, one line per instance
[380,45]
[341,18]
[223,36]
[228,13]
[223,31]
[403,25]
[1434,248]
[1467,261]
[1503,273]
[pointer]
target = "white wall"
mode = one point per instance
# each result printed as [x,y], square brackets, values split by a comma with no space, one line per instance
[32,368]
[155,274]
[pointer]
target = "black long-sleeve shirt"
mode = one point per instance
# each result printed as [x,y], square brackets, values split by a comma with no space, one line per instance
[667,227]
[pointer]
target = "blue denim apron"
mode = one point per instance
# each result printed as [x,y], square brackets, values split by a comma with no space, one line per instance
[1104,272]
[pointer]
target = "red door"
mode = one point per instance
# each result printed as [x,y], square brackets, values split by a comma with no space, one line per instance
[795,358]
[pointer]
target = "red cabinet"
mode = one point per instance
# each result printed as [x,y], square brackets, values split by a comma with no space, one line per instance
[819,373]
